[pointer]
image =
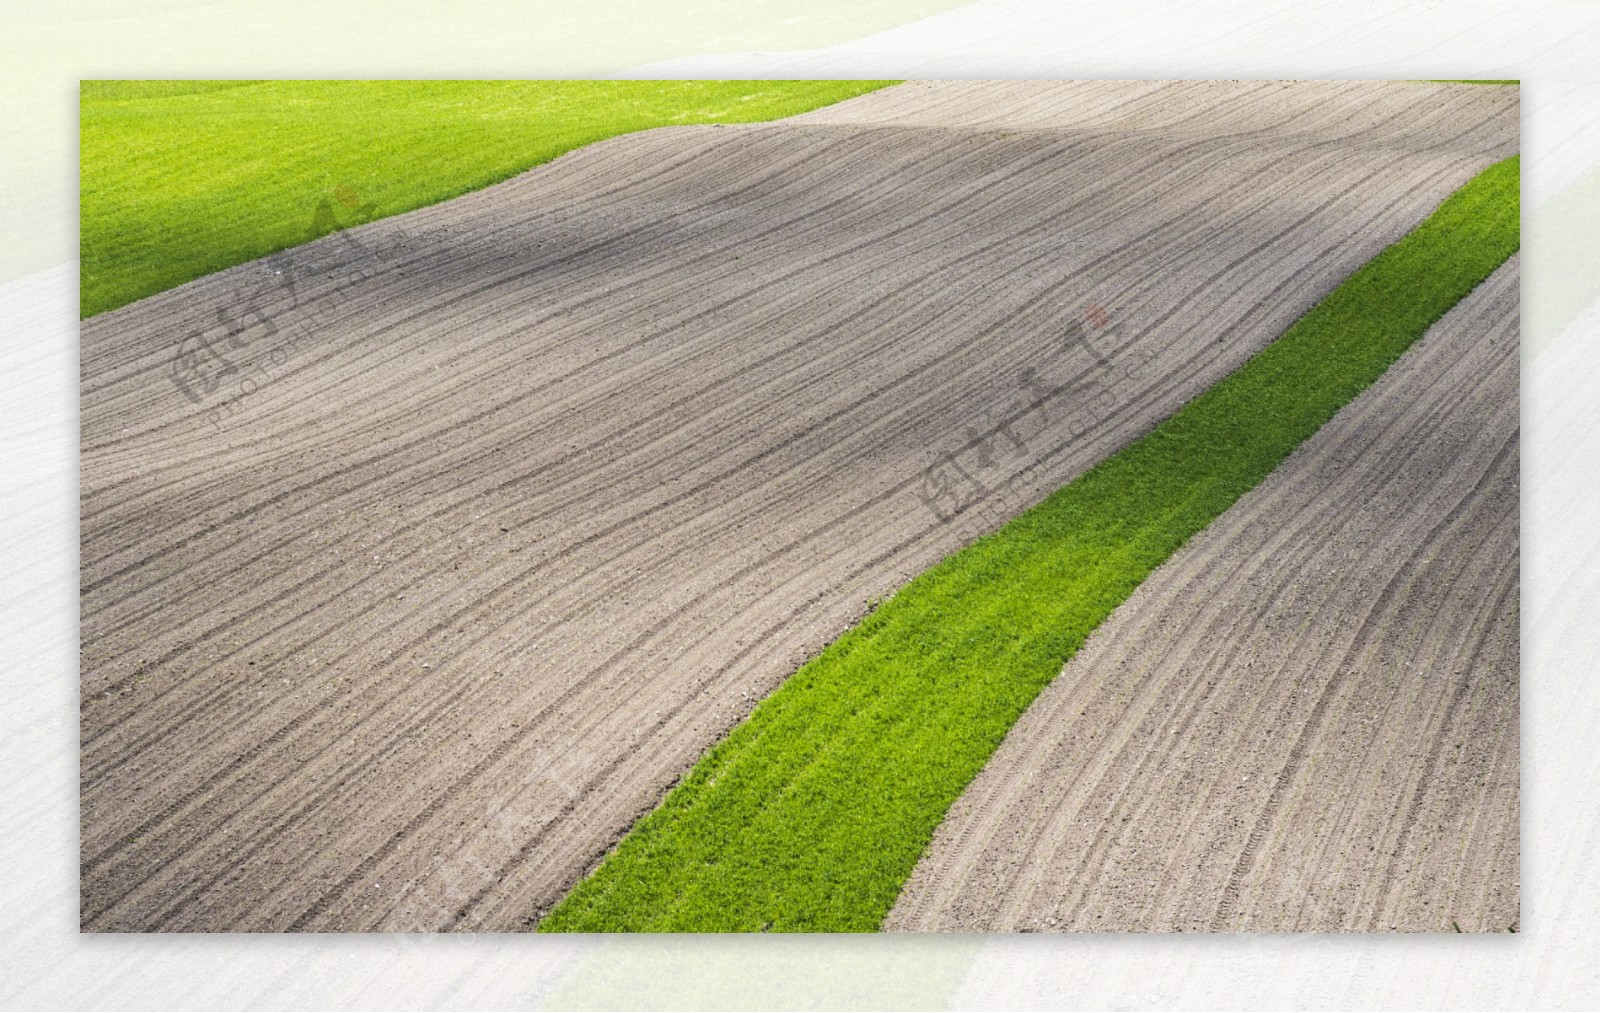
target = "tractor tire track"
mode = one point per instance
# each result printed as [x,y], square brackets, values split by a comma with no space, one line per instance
[595,457]
[1306,719]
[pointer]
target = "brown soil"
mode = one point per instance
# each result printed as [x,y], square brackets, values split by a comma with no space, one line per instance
[535,493]
[1307,719]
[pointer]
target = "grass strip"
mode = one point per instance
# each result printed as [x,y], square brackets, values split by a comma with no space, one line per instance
[810,815]
[182,178]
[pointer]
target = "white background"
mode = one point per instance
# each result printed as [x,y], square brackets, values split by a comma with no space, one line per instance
[1553,47]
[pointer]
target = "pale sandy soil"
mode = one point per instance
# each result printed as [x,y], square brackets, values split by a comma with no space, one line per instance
[536,492]
[1307,720]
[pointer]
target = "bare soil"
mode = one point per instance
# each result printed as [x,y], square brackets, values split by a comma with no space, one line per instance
[1307,720]
[514,505]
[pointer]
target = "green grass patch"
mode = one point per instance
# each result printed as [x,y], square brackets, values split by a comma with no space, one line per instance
[810,815]
[182,178]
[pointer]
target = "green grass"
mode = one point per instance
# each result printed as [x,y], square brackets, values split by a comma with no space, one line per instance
[810,815]
[182,178]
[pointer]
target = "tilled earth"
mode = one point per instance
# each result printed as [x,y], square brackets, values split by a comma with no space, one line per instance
[418,562]
[1307,720]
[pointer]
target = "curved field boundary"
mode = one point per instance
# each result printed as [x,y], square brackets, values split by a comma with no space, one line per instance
[516,505]
[1306,720]
[179,179]
[813,812]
